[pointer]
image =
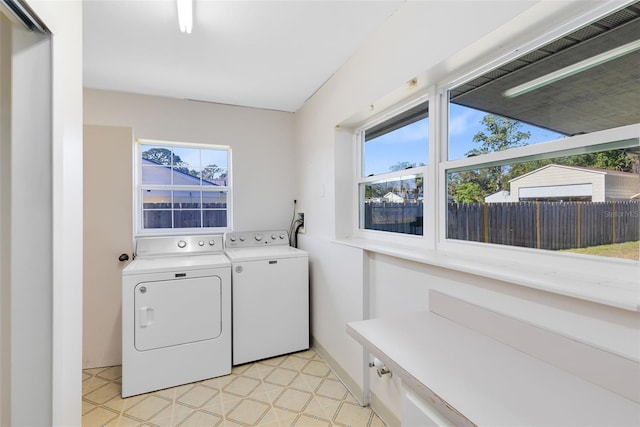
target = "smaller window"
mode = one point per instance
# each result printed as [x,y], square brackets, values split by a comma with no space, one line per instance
[183,187]
[393,158]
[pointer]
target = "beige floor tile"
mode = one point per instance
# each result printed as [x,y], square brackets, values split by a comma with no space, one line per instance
[293,400]
[215,405]
[352,415]
[281,376]
[294,362]
[250,412]
[317,408]
[103,394]
[333,389]
[273,390]
[284,417]
[253,371]
[92,384]
[307,354]
[148,408]
[292,390]
[316,368]
[98,417]
[305,420]
[330,406]
[201,419]
[181,412]
[197,396]
[117,403]
[93,371]
[87,406]
[376,421]
[111,373]
[123,421]
[241,386]
[274,361]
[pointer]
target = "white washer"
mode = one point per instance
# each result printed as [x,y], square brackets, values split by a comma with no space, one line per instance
[270,281]
[176,313]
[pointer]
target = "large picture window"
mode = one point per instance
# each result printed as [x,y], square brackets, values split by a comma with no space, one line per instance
[543,151]
[393,159]
[182,187]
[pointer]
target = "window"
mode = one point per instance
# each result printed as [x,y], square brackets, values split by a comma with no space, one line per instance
[543,151]
[182,187]
[390,183]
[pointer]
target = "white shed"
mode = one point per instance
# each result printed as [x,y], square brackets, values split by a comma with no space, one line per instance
[570,183]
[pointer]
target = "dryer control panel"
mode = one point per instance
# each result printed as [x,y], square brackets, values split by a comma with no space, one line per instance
[244,239]
[179,245]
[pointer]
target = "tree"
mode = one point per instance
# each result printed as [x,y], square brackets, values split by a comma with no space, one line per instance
[401,166]
[161,156]
[500,134]
[617,160]
[164,156]
[469,192]
[210,172]
[503,133]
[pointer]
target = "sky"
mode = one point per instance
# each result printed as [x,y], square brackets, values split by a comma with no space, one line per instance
[410,143]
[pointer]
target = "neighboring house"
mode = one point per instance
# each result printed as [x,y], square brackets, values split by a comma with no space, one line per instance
[499,197]
[391,197]
[570,183]
[156,174]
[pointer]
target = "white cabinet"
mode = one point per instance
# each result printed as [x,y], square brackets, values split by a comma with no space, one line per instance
[417,412]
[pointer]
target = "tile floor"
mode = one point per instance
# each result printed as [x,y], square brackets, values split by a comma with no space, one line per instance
[293,390]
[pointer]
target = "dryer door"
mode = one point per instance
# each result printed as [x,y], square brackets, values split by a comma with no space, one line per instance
[174,312]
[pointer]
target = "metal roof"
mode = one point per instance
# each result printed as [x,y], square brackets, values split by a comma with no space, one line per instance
[598,98]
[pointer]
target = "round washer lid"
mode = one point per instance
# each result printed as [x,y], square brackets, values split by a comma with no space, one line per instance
[176,263]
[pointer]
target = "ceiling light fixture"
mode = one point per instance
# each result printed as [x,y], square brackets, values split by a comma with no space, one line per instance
[576,68]
[185,15]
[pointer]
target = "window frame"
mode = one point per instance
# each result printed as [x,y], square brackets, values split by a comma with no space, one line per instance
[359,178]
[434,238]
[138,214]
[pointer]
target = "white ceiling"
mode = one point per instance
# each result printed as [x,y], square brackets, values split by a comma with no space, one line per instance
[263,54]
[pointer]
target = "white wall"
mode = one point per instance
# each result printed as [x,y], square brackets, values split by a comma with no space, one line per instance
[429,40]
[262,144]
[43,247]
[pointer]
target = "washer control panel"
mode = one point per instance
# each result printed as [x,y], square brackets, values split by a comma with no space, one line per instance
[179,245]
[244,239]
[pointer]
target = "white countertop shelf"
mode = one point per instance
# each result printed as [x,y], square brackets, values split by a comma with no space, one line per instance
[486,382]
[616,286]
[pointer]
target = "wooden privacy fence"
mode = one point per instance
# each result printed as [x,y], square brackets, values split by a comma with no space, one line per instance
[184,215]
[545,225]
[397,217]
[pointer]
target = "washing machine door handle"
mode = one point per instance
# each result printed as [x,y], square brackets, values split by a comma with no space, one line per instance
[123,257]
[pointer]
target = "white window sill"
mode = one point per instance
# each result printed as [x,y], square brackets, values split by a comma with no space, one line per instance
[615,283]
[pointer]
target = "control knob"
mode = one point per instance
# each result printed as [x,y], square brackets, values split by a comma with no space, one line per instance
[182,244]
[201,243]
[258,237]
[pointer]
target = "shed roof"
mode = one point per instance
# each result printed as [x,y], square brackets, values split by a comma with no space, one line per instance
[580,169]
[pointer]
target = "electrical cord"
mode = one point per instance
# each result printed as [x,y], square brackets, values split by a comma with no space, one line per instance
[293,222]
[294,227]
[300,225]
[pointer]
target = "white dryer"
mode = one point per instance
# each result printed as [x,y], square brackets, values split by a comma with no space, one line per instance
[176,313]
[270,281]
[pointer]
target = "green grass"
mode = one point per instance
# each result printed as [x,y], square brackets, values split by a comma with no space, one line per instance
[628,250]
